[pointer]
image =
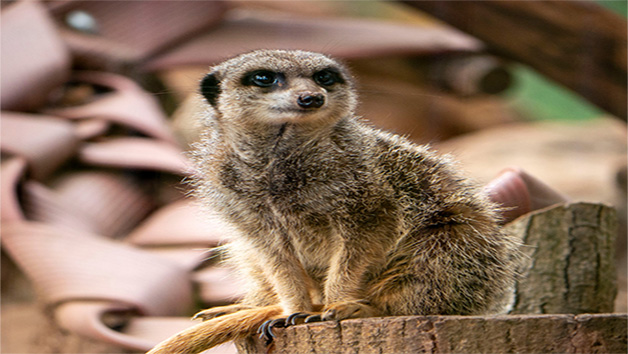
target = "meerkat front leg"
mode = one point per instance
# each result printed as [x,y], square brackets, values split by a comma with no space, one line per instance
[291,284]
[344,287]
[277,278]
[285,273]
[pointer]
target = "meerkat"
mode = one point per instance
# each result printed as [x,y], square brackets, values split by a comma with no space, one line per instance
[336,219]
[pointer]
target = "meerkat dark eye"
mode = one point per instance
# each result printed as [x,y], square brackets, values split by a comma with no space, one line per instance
[327,77]
[262,78]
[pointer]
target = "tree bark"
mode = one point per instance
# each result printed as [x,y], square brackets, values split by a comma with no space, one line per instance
[570,264]
[576,43]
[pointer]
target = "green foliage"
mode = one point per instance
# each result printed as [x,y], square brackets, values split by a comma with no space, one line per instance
[542,99]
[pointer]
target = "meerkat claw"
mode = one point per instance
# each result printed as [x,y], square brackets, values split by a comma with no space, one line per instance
[292,319]
[266,329]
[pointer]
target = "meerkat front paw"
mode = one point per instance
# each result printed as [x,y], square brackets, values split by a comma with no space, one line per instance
[334,312]
[349,309]
[265,331]
[214,312]
[303,317]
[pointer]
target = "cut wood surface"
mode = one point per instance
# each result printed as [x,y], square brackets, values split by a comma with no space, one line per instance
[568,273]
[576,43]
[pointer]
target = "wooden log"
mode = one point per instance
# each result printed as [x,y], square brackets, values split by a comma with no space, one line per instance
[576,43]
[569,270]
[601,333]
[571,259]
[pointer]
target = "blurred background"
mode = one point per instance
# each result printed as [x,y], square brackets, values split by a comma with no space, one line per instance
[99,102]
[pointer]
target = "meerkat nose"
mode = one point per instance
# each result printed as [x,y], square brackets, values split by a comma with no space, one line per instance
[311,100]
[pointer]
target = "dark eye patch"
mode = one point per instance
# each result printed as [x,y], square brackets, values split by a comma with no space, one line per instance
[262,78]
[327,77]
[210,88]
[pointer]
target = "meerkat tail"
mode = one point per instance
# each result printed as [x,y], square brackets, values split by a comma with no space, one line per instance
[211,333]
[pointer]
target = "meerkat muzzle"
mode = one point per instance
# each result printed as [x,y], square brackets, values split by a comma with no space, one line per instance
[311,100]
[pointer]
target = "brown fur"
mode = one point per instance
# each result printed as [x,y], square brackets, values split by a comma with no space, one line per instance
[333,212]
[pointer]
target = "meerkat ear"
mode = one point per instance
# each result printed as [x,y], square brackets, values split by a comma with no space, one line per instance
[210,88]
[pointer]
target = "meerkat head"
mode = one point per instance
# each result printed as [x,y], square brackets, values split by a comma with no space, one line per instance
[280,86]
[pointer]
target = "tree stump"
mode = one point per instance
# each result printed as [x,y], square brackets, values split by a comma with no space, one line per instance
[602,333]
[571,260]
[569,270]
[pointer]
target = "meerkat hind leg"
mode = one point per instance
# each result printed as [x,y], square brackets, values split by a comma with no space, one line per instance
[208,334]
[218,311]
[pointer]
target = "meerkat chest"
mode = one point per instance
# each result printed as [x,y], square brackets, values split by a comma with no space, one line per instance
[287,178]
[298,181]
